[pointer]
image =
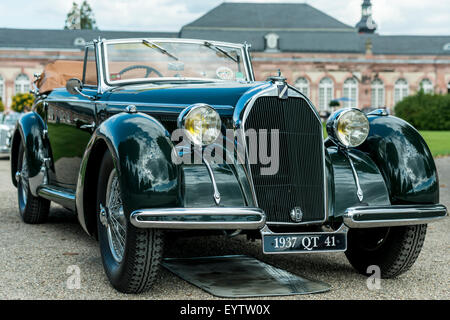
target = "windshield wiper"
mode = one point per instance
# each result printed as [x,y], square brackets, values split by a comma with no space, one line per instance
[216,48]
[161,49]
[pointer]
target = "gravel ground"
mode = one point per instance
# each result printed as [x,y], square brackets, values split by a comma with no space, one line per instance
[34,260]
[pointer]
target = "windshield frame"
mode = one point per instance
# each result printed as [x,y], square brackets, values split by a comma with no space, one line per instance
[104,56]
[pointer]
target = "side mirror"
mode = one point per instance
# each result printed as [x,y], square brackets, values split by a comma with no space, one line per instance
[74,86]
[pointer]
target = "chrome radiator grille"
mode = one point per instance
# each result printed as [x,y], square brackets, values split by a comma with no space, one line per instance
[299,182]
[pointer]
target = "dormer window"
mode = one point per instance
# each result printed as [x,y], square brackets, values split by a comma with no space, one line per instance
[79,42]
[272,42]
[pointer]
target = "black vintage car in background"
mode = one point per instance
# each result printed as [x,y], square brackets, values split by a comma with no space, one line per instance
[125,146]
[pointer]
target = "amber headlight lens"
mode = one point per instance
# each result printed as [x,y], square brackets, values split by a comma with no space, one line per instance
[201,123]
[350,127]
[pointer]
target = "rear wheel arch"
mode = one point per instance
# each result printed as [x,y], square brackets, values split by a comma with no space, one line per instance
[15,145]
[90,185]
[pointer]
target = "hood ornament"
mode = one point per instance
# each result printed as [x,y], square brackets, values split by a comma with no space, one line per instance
[281,84]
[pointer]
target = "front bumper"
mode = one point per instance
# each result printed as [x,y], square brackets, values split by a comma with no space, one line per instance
[391,216]
[200,218]
[5,150]
[246,218]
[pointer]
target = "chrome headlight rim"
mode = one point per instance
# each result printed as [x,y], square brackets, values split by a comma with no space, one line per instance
[188,111]
[332,127]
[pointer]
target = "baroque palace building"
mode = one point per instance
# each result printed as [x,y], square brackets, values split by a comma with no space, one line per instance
[325,58]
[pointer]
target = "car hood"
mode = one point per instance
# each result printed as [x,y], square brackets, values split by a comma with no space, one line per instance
[220,94]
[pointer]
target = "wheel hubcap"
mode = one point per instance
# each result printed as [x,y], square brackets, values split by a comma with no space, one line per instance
[113,218]
[22,180]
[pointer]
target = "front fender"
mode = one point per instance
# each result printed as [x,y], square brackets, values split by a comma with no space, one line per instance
[141,150]
[342,187]
[404,160]
[29,129]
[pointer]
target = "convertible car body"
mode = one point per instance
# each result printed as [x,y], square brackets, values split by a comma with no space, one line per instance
[153,136]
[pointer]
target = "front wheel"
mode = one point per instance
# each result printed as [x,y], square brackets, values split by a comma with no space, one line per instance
[394,250]
[130,256]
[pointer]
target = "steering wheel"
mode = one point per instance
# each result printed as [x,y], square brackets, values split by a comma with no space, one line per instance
[149,70]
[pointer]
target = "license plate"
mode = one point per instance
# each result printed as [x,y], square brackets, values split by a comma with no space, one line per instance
[305,242]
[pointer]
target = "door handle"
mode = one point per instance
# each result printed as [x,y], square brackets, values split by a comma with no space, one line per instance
[88,126]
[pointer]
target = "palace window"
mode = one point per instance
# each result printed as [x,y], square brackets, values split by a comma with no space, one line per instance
[351,93]
[302,85]
[22,84]
[427,86]
[2,89]
[377,94]
[326,92]
[401,90]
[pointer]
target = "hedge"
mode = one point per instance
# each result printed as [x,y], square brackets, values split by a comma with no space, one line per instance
[425,111]
[22,102]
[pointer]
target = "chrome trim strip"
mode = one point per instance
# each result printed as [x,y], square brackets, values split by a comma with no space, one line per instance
[249,61]
[359,192]
[390,216]
[140,104]
[199,214]
[63,197]
[216,194]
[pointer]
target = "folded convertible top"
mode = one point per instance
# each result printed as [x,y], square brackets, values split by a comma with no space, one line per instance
[57,73]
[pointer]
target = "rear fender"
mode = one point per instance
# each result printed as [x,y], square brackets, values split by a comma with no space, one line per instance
[29,129]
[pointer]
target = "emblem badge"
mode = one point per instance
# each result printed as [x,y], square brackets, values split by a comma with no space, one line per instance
[296,214]
[282,91]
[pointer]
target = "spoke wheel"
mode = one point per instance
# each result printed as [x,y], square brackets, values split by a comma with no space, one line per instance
[394,250]
[130,256]
[116,227]
[22,185]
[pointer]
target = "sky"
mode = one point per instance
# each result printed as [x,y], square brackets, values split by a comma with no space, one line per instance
[416,17]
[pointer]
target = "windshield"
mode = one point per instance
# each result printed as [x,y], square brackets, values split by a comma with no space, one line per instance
[152,60]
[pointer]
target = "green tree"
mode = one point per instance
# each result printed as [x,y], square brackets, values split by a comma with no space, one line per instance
[81,17]
[425,111]
[334,103]
[22,102]
[2,107]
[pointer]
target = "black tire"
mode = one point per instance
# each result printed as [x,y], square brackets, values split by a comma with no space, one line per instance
[139,265]
[33,210]
[393,249]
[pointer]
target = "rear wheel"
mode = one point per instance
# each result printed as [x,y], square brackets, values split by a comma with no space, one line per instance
[32,209]
[393,249]
[130,256]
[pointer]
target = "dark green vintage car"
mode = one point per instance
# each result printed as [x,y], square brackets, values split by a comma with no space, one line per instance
[164,135]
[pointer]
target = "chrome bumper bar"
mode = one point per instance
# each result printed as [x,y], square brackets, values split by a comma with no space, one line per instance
[199,218]
[390,216]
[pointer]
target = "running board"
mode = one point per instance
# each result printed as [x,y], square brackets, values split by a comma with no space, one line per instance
[64,197]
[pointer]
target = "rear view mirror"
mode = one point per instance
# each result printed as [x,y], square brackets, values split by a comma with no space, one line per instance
[74,86]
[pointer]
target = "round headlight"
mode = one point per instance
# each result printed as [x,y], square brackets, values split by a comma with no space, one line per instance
[201,123]
[348,127]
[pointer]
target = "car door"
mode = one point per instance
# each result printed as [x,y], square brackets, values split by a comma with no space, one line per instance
[71,122]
